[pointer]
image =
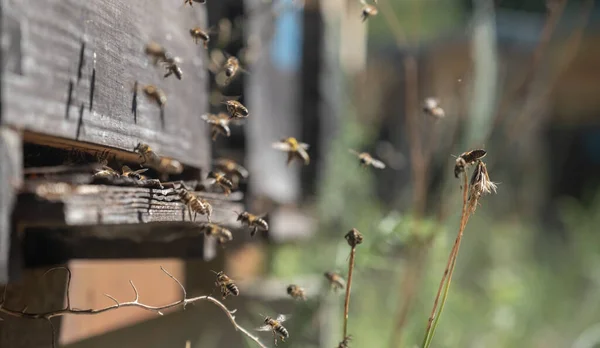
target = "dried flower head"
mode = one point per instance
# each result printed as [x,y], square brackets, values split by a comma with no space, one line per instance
[353,237]
[346,342]
[480,184]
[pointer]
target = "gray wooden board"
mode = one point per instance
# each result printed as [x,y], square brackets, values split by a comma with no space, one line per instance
[69,67]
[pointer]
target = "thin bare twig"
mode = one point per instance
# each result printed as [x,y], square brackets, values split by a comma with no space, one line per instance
[135,303]
[347,298]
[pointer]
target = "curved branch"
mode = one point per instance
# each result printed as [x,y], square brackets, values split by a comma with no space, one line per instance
[135,303]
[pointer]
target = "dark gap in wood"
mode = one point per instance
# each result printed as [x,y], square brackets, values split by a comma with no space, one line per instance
[162,117]
[69,99]
[92,87]
[79,122]
[81,61]
[57,156]
[134,102]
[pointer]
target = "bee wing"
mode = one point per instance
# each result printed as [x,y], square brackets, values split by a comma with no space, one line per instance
[210,118]
[304,155]
[282,146]
[304,146]
[283,317]
[264,328]
[354,152]
[242,171]
[377,163]
[140,171]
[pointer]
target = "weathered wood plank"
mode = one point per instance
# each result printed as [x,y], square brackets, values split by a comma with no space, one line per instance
[10,177]
[71,66]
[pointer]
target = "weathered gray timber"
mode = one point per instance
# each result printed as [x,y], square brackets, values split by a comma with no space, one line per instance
[69,69]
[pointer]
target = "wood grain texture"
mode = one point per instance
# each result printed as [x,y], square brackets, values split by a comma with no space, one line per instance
[10,177]
[70,67]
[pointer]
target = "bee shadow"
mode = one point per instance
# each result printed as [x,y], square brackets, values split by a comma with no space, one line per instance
[79,122]
[162,117]
[69,99]
[134,102]
[81,61]
[92,87]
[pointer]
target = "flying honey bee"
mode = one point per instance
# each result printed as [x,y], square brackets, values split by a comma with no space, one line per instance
[127,172]
[173,68]
[431,106]
[467,158]
[161,164]
[296,292]
[335,280]
[236,109]
[222,181]
[367,160]
[198,34]
[155,94]
[235,171]
[274,325]
[222,234]
[194,204]
[253,221]
[191,2]
[155,51]
[226,285]
[367,11]
[219,124]
[294,148]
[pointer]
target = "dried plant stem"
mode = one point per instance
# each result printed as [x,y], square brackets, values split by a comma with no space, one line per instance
[348,285]
[447,276]
[68,310]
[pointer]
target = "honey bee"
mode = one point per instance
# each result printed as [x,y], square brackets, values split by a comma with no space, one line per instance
[221,180]
[274,325]
[253,221]
[231,67]
[368,11]
[161,164]
[198,34]
[235,171]
[106,172]
[467,158]
[219,124]
[335,280]
[294,149]
[185,2]
[172,66]
[195,204]
[367,160]
[236,109]
[226,285]
[431,106]
[296,292]
[155,94]
[156,52]
[222,234]
[346,342]
[127,172]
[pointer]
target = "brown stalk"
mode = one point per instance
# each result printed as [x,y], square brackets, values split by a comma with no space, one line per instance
[452,257]
[68,310]
[347,298]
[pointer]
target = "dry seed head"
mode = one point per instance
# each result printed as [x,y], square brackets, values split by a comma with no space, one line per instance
[480,184]
[354,237]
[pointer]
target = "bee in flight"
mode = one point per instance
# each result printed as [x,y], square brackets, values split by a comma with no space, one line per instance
[368,10]
[226,285]
[194,204]
[222,181]
[222,234]
[155,51]
[198,34]
[335,280]
[367,160]
[296,292]
[431,106]
[251,220]
[155,94]
[152,160]
[467,158]
[236,109]
[219,124]
[294,148]
[173,68]
[274,325]
[235,171]
[128,172]
[191,2]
